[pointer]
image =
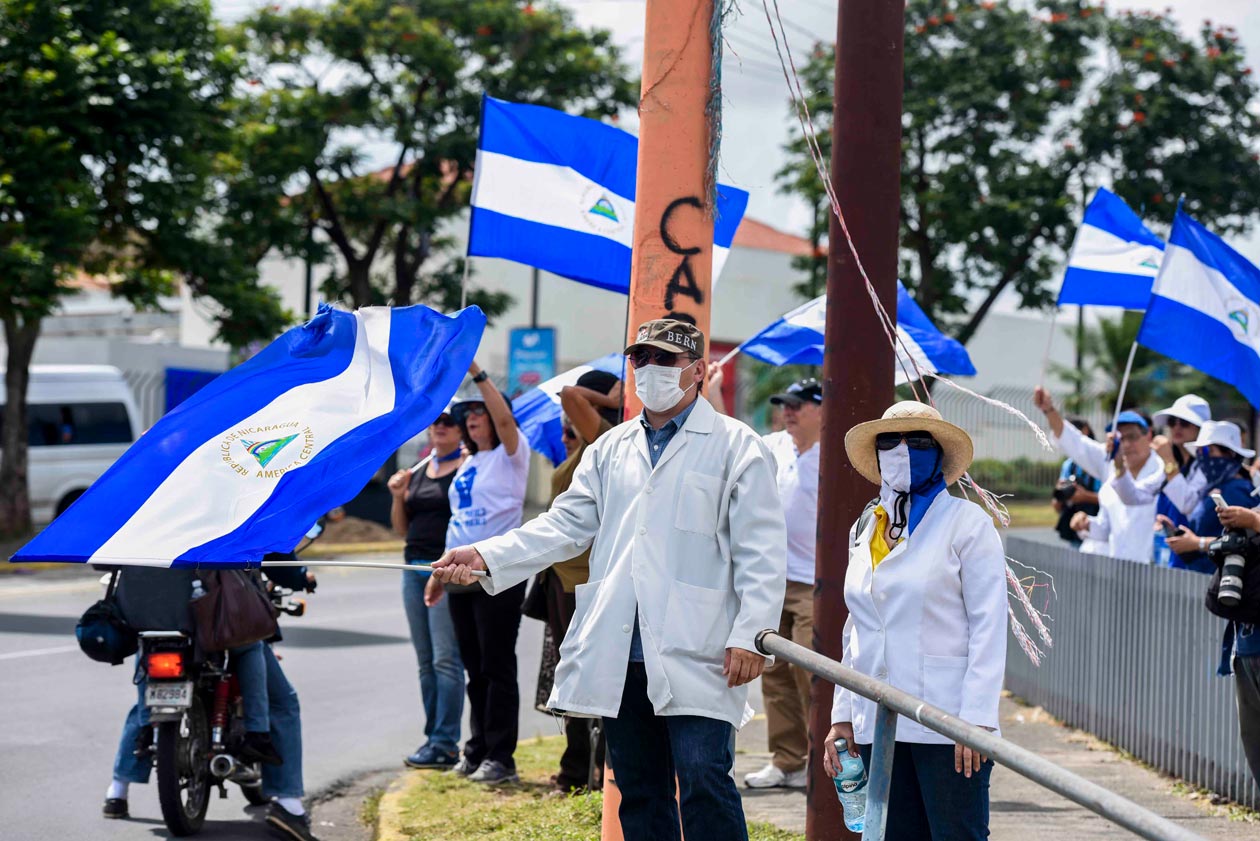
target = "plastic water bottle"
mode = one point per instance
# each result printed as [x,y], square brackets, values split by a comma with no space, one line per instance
[851,787]
[198,591]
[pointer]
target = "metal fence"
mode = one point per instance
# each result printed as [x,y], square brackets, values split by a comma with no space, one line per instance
[1134,663]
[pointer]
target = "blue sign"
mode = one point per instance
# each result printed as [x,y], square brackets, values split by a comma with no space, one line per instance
[531,358]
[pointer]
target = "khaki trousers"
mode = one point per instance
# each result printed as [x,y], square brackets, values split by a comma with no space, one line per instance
[785,687]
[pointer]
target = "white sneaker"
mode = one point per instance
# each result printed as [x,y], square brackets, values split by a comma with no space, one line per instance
[773,777]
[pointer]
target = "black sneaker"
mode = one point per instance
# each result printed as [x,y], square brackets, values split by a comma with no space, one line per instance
[285,824]
[257,747]
[115,808]
[430,757]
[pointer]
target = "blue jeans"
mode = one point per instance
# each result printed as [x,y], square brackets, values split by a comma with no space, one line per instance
[646,751]
[437,653]
[251,672]
[283,712]
[929,800]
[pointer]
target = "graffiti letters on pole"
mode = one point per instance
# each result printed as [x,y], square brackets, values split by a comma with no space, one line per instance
[683,280]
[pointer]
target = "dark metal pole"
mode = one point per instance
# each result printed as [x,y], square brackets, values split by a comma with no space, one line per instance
[310,278]
[858,364]
[533,301]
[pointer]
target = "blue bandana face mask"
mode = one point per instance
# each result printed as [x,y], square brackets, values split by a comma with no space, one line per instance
[1216,469]
[910,480]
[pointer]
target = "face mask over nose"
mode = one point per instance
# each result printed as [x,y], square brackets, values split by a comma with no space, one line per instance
[658,386]
[909,481]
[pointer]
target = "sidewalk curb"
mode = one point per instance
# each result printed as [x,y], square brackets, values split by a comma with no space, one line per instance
[389,816]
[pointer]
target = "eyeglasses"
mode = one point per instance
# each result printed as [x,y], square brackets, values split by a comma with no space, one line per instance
[1173,423]
[914,440]
[652,356]
[445,419]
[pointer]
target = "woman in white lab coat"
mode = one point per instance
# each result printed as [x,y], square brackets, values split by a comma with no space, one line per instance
[926,594]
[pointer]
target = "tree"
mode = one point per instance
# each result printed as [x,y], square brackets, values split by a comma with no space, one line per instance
[1011,119]
[409,78]
[112,117]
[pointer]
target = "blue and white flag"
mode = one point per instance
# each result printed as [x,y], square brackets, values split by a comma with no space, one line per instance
[1114,259]
[797,339]
[1205,308]
[247,464]
[538,412]
[557,191]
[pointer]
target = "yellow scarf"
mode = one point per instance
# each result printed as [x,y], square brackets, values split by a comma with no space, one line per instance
[879,546]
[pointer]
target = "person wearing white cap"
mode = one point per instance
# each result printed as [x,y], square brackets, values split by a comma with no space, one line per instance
[1182,419]
[1182,484]
[1218,457]
[1120,529]
[926,593]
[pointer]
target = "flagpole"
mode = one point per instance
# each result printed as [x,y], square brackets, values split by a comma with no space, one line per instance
[361,564]
[1045,358]
[721,363]
[1124,385]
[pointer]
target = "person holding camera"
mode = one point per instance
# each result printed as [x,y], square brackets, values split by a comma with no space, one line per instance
[1218,455]
[1076,490]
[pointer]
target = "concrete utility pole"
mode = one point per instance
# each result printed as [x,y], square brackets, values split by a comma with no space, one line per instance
[858,365]
[672,264]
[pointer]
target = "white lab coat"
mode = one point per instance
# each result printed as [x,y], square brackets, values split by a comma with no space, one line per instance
[931,620]
[1119,530]
[698,544]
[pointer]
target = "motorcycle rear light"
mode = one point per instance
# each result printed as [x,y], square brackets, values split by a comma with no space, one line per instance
[165,664]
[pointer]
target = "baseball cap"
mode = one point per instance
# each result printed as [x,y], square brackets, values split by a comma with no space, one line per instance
[1130,416]
[669,334]
[802,391]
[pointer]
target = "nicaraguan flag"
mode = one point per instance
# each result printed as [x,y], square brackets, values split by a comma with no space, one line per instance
[247,464]
[1114,259]
[538,410]
[1205,308]
[557,191]
[797,339]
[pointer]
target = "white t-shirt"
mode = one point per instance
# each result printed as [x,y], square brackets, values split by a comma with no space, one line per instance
[798,492]
[488,494]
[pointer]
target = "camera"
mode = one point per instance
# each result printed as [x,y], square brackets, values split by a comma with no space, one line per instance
[1065,490]
[1230,551]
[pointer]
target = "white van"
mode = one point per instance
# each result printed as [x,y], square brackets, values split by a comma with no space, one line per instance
[80,419]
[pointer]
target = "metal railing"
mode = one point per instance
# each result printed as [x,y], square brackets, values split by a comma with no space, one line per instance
[893,702]
[1134,663]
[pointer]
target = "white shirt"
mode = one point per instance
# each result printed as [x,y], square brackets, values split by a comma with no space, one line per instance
[488,494]
[1119,530]
[930,620]
[797,478]
[696,543]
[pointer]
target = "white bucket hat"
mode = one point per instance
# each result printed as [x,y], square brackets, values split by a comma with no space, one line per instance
[1222,434]
[1190,408]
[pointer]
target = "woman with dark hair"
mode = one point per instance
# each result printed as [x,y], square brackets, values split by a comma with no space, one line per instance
[487,498]
[421,512]
[592,407]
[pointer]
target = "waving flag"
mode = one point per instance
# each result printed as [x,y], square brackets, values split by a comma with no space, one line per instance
[556,191]
[797,339]
[538,410]
[247,464]
[1114,259]
[1205,308]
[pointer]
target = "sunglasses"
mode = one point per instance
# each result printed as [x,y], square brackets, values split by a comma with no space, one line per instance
[476,411]
[652,356]
[1173,423]
[445,419]
[569,433]
[914,440]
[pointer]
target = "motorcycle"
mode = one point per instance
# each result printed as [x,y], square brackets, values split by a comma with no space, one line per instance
[197,714]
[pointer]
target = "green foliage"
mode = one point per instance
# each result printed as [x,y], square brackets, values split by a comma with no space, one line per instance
[1021,478]
[409,77]
[1012,119]
[1155,381]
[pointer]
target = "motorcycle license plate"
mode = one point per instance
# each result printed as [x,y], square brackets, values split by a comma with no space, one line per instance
[175,694]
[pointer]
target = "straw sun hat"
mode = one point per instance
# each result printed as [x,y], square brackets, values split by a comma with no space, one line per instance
[910,416]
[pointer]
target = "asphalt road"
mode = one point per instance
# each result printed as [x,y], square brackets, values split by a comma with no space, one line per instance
[349,658]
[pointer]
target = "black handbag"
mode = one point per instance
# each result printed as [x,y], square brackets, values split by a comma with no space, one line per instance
[102,632]
[535,604]
[235,611]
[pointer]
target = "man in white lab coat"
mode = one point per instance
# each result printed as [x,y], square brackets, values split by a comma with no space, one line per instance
[687,565]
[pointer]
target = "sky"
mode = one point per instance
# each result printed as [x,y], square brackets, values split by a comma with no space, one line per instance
[756,115]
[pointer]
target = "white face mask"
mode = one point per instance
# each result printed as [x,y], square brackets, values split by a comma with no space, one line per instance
[894,468]
[658,386]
